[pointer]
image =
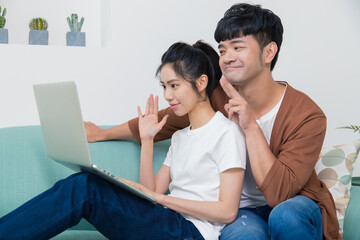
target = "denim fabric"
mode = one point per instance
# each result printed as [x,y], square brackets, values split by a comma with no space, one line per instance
[296,218]
[116,213]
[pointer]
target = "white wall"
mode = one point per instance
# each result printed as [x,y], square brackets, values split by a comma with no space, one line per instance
[20,12]
[115,72]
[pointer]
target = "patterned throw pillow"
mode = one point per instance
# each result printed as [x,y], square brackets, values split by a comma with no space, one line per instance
[335,169]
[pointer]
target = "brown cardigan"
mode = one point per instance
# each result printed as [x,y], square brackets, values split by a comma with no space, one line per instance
[296,142]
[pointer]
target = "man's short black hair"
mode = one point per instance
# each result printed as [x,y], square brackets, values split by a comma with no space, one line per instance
[245,19]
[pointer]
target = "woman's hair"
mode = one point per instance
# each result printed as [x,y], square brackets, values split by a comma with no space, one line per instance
[245,19]
[190,62]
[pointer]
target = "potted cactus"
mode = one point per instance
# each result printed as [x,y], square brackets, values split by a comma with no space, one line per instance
[38,34]
[3,32]
[75,37]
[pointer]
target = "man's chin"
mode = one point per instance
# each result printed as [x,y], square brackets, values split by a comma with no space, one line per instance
[232,80]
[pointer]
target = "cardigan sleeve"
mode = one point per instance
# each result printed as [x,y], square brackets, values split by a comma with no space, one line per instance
[297,151]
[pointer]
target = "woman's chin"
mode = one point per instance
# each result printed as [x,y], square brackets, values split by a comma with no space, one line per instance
[179,113]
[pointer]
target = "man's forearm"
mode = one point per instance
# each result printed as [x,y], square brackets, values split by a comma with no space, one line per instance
[95,133]
[260,156]
[121,131]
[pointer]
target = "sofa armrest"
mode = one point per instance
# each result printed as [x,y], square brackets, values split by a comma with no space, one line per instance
[352,214]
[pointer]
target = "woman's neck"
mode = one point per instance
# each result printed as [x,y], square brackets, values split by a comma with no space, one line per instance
[201,114]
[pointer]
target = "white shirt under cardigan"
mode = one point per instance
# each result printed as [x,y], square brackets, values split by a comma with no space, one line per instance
[251,196]
[197,157]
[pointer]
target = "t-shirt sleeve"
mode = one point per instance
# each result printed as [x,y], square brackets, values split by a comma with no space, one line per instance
[168,158]
[231,149]
[167,161]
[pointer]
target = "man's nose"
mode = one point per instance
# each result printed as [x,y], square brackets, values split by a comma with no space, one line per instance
[228,56]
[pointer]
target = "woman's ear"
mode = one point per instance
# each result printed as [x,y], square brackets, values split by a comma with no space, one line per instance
[201,83]
[269,52]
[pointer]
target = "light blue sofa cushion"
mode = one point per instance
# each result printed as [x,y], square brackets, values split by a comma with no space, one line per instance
[26,171]
[79,235]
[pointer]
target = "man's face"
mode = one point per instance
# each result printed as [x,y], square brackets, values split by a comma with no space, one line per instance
[240,59]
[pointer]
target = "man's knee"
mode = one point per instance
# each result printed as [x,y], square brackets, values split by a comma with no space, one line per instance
[293,211]
[299,214]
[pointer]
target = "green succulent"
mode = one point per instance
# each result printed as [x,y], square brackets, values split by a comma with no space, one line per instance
[2,18]
[74,24]
[38,24]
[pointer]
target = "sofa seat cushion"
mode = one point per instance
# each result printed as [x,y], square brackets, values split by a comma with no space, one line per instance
[79,235]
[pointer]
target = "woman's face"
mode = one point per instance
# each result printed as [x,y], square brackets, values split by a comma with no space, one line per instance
[177,91]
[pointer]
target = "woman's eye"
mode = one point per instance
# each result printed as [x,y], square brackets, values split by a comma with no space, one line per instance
[173,85]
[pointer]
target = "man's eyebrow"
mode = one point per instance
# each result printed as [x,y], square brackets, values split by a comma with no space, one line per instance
[237,41]
[232,42]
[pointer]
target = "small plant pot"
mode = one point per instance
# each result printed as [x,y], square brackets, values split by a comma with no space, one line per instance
[4,36]
[76,39]
[38,37]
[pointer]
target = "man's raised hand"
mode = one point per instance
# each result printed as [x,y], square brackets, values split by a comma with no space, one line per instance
[237,108]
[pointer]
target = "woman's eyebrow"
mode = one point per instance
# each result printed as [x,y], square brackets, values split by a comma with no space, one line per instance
[169,81]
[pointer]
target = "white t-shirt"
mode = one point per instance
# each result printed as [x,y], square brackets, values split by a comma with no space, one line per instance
[197,157]
[251,196]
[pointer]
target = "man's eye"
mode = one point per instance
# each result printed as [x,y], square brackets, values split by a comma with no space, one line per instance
[173,85]
[222,52]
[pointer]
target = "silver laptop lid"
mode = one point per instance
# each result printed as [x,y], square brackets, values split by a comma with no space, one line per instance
[61,122]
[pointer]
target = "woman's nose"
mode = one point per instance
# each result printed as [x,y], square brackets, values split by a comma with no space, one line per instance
[168,94]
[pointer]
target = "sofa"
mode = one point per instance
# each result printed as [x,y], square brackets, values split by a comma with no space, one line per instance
[26,171]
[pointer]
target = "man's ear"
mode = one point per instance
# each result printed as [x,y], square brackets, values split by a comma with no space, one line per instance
[201,83]
[269,52]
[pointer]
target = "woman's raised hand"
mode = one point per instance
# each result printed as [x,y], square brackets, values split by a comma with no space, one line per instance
[149,124]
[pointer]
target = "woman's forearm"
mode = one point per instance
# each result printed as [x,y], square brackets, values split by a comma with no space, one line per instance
[146,175]
[217,211]
[223,211]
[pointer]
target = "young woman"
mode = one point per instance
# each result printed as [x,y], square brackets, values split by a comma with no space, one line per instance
[203,170]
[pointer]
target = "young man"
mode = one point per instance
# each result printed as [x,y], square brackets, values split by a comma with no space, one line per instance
[282,197]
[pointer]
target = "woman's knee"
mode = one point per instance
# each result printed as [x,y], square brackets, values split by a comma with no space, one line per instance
[80,181]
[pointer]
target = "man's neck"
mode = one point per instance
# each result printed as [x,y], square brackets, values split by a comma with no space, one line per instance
[262,94]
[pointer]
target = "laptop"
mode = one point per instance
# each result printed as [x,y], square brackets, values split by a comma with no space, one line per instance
[64,132]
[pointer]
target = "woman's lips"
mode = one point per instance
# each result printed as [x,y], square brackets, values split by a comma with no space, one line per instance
[172,106]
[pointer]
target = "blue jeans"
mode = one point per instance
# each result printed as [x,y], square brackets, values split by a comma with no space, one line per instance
[116,213]
[296,218]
